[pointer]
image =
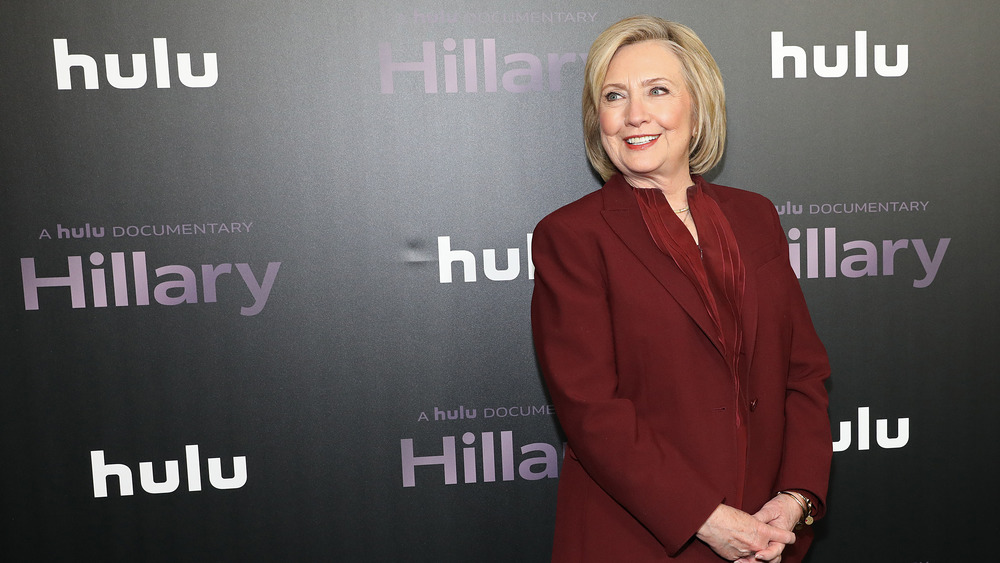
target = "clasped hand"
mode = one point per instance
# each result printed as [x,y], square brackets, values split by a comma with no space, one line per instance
[744,538]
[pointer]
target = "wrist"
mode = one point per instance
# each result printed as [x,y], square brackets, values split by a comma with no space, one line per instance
[804,504]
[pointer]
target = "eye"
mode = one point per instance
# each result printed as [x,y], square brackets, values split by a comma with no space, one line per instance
[659,90]
[612,96]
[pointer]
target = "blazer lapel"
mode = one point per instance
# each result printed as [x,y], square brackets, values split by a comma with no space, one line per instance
[622,214]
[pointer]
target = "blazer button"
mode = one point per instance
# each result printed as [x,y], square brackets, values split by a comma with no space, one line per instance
[753,404]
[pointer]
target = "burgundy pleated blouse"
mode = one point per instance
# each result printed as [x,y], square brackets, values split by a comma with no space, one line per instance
[713,264]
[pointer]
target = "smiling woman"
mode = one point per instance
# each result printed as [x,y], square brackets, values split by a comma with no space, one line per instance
[645,116]
[701,76]
[672,332]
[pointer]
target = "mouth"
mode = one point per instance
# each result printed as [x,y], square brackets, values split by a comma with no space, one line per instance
[641,141]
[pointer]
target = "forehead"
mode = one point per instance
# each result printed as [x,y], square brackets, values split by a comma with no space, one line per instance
[645,60]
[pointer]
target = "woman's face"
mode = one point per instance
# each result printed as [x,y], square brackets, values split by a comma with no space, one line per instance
[645,115]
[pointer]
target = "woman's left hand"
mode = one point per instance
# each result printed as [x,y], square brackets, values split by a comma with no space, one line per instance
[781,512]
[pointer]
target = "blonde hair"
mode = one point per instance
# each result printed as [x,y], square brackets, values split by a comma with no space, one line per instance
[701,76]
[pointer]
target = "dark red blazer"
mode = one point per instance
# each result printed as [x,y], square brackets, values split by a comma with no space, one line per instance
[646,399]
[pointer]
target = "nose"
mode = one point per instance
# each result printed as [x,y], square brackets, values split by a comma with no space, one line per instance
[636,114]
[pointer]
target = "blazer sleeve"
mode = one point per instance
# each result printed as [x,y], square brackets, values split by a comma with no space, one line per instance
[573,333]
[808,445]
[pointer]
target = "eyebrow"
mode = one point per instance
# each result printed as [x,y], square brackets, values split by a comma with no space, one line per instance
[645,82]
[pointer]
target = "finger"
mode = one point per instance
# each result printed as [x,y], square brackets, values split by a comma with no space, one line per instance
[781,535]
[770,553]
[767,513]
[743,555]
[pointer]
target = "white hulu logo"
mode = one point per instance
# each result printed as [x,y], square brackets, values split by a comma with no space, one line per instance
[161,67]
[101,471]
[882,437]
[780,52]
[448,257]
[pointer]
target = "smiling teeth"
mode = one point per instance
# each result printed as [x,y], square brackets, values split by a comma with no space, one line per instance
[641,140]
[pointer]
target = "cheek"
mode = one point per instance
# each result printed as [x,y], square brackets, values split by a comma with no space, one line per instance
[608,121]
[685,114]
[674,115]
[670,118]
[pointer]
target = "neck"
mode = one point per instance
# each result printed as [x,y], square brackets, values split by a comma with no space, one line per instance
[674,188]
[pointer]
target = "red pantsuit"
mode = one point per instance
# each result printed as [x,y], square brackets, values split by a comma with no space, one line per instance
[657,433]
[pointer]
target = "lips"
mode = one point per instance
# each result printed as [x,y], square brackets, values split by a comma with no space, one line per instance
[641,141]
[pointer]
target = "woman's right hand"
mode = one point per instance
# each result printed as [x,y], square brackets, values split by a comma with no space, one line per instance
[734,534]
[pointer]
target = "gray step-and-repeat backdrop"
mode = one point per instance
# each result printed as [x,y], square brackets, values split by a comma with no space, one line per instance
[266,267]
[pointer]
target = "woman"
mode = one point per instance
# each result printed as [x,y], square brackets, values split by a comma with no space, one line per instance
[671,331]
